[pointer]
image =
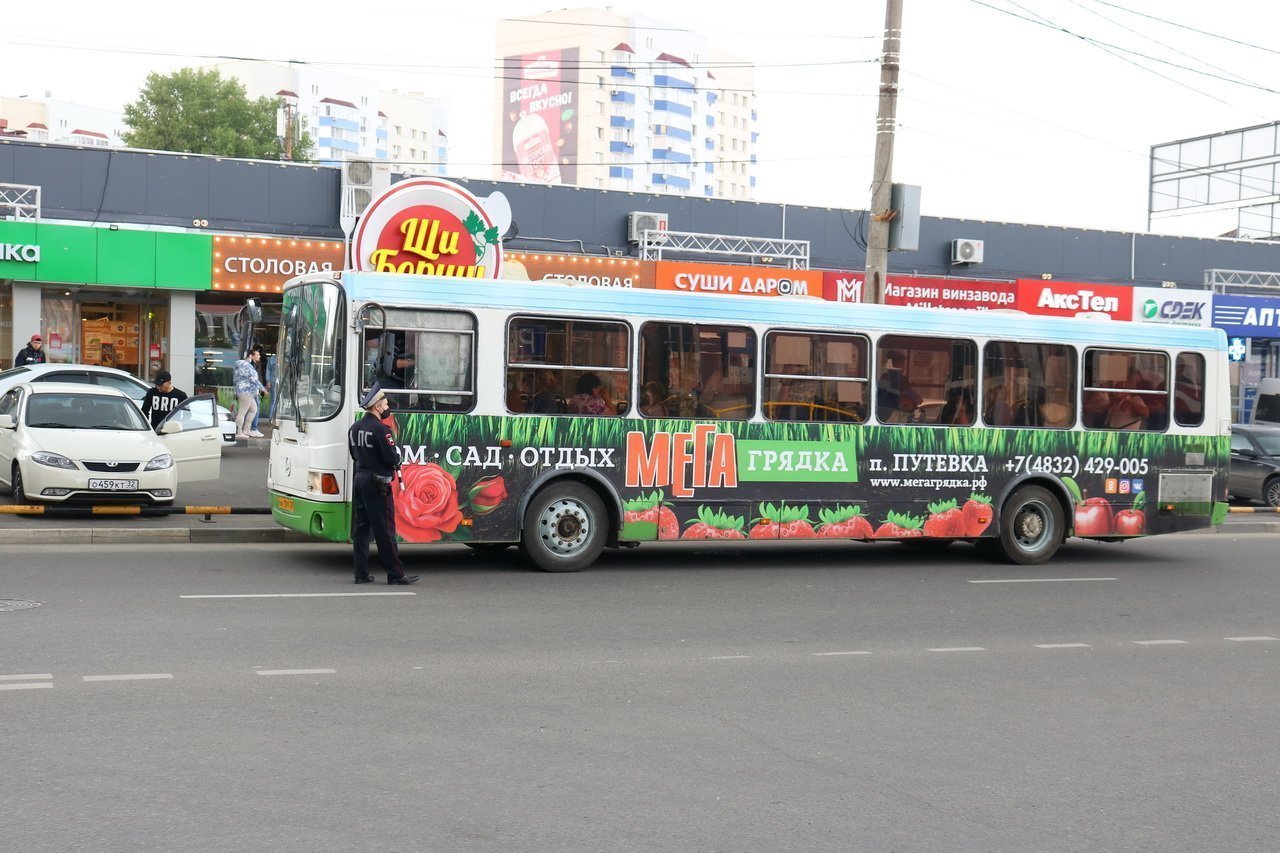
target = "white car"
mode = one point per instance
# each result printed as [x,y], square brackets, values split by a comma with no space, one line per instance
[93,374]
[66,442]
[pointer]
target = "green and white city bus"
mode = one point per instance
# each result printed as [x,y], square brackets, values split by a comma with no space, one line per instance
[565,419]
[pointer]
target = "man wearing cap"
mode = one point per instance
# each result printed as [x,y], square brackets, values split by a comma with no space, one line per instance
[159,401]
[32,353]
[373,447]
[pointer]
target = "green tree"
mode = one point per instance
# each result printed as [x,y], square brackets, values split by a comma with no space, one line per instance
[196,111]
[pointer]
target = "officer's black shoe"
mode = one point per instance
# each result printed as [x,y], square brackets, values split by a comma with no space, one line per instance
[403,580]
[364,579]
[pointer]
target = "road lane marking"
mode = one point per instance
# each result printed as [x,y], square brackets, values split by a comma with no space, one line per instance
[297,671]
[37,686]
[1252,639]
[959,649]
[44,676]
[302,595]
[1063,646]
[141,676]
[730,657]
[1041,580]
[1160,642]
[835,654]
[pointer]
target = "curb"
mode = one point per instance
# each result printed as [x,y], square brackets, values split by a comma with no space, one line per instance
[154,535]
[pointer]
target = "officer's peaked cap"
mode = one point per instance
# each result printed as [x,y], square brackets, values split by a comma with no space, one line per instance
[371,398]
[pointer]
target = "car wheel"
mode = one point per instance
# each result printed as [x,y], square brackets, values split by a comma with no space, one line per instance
[20,495]
[565,528]
[1031,526]
[1271,492]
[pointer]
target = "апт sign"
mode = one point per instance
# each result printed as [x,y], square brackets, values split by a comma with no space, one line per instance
[737,280]
[427,226]
[1173,307]
[1072,298]
[1247,316]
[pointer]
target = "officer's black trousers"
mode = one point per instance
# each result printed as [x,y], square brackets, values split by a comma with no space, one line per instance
[374,511]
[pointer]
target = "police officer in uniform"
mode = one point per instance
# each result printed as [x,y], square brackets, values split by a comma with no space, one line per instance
[372,446]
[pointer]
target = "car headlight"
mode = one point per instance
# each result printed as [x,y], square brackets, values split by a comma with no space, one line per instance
[53,460]
[164,460]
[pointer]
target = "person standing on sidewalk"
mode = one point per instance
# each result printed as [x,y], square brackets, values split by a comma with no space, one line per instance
[373,448]
[159,401]
[32,353]
[249,388]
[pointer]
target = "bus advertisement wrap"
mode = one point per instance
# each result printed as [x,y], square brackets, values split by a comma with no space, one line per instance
[680,479]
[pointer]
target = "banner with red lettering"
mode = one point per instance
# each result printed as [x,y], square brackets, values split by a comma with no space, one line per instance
[964,293]
[1072,298]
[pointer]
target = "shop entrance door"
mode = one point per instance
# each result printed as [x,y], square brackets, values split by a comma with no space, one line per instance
[128,334]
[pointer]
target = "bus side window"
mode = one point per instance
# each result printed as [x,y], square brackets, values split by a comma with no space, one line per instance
[576,367]
[811,376]
[1030,385]
[1188,390]
[706,371]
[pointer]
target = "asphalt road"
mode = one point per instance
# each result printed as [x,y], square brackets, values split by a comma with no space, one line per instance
[824,697]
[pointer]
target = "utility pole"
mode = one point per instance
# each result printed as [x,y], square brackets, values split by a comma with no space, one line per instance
[882,169]
[285,128]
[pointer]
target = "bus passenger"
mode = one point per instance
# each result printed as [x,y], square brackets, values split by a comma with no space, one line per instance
[654,400]
[959,407]
[545,401]
[590,399]
[1127,411]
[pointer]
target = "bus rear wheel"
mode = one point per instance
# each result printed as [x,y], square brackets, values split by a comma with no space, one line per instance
[1031,526]
[565,528]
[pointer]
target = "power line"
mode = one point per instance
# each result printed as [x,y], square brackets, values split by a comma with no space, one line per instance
[1187,27]
[1099,43]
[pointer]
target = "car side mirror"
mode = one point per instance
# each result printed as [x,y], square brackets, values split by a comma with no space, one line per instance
[170,428]
[6,422]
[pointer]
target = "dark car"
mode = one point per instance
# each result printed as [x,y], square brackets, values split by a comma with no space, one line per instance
[1255,463]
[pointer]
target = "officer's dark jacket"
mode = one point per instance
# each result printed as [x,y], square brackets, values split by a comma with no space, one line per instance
[372,446]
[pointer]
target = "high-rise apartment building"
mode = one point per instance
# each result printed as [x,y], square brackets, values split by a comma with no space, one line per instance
[623,102]
[50,120]
[348,117]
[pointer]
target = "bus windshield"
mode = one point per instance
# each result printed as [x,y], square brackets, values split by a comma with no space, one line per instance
[309,372]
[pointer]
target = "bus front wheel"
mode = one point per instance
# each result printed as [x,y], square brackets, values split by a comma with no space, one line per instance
[565,528]
[1031,526]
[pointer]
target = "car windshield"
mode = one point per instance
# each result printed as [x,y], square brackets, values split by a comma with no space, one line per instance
[83,411]
[1269,442]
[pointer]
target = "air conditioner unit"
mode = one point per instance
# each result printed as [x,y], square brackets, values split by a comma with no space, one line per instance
[362,180]
[966,251]
[638,222]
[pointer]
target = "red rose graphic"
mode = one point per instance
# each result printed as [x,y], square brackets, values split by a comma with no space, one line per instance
[427,506]
[486,494]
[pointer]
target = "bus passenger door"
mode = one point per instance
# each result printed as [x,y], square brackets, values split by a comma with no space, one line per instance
[197,447]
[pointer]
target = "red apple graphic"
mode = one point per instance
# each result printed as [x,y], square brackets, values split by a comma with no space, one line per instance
[1093,517]
[1130,522]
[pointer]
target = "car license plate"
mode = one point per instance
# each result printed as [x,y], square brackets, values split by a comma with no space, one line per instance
[104,485]
[285,504]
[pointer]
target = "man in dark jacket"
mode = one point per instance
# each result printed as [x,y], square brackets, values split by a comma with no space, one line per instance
[159,401]
[373,447]
[32,353]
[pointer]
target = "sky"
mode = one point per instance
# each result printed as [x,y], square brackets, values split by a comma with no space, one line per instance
[1031,111]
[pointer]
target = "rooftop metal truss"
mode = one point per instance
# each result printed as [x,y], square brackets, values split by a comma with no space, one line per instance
[1226,281]
[19,201]
[794,254]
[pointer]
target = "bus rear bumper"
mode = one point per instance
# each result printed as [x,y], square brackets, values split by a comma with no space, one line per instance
[317,519]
